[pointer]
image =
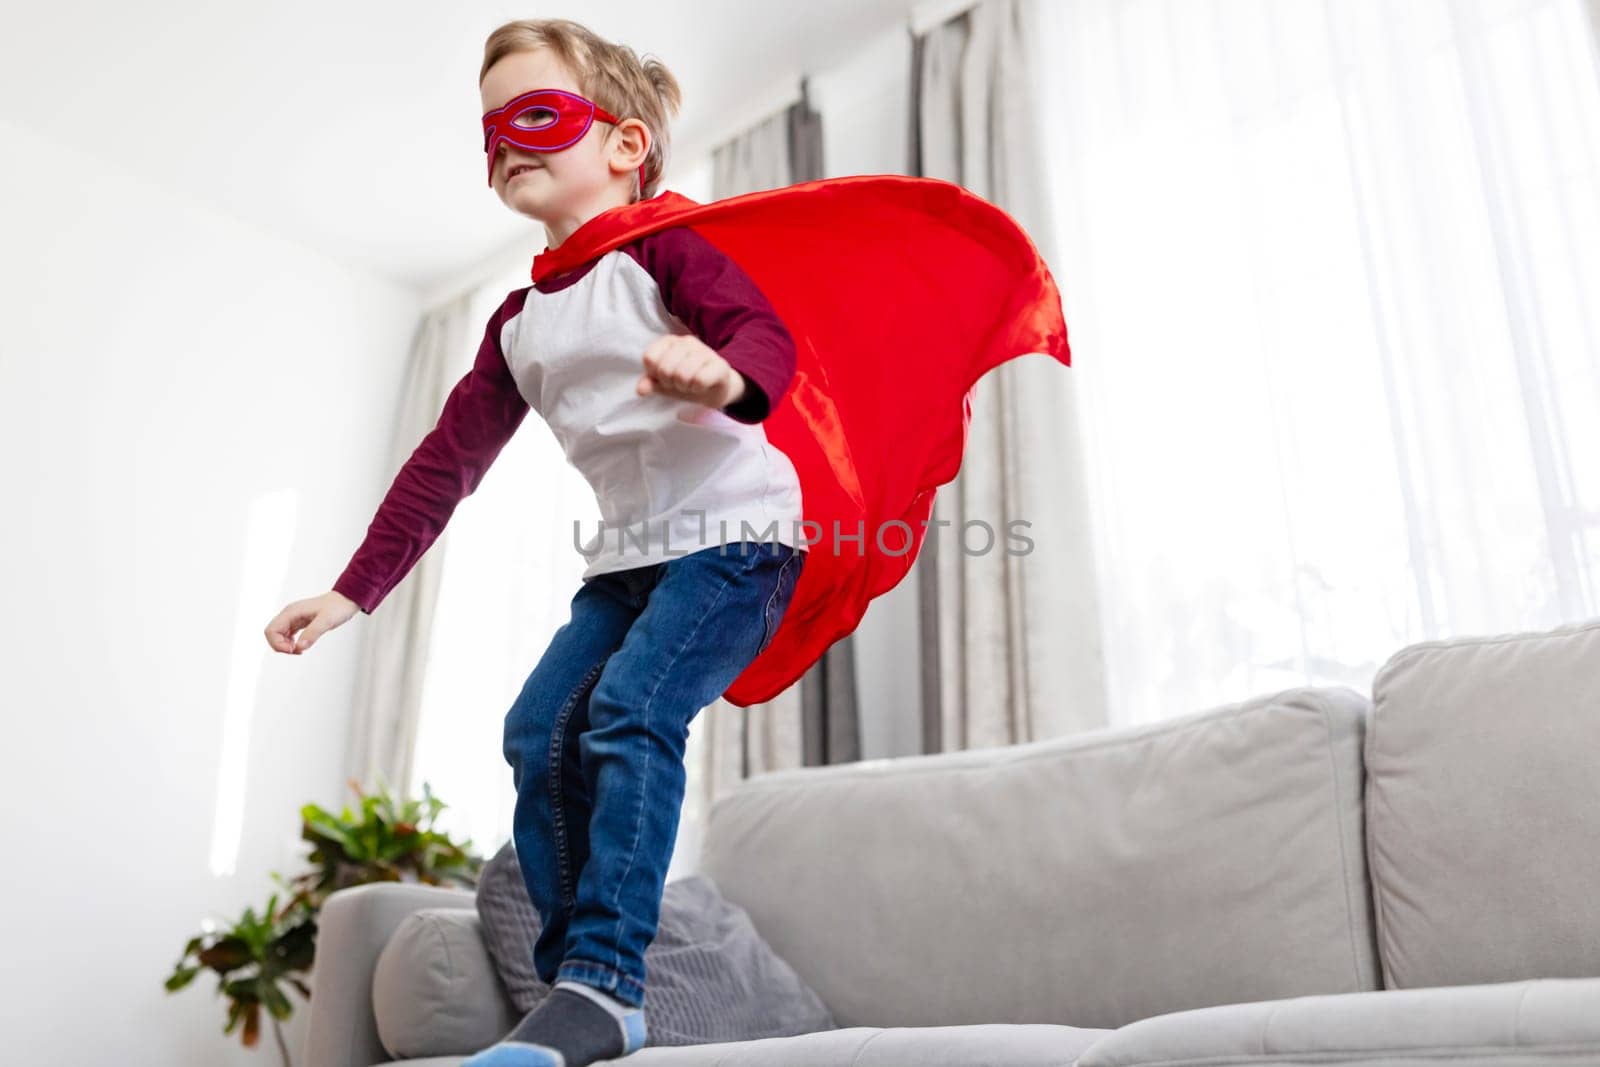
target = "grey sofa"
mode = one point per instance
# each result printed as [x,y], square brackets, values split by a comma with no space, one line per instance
[1309,877]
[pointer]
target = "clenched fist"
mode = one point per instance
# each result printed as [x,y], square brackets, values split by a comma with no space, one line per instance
[683,366]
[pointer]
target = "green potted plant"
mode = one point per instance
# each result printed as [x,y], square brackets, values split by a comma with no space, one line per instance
[383,840]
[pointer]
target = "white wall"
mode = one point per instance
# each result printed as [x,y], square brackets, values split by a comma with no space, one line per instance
[163,367]
[865,103]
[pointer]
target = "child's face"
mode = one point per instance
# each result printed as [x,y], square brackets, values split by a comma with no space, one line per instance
[576,183]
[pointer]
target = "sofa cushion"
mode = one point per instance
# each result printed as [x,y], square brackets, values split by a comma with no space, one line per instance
[434,988]
[1517,1024]
[865,1046]
[353,928]
[1483,808]
[1089,880]
[709,976]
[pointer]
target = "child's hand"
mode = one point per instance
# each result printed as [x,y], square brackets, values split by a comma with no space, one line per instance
[682,365]
[322,613]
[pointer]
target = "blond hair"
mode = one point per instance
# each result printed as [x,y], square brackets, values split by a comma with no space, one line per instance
[609,74]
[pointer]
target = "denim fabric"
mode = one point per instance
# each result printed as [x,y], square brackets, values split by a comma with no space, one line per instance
[596,741]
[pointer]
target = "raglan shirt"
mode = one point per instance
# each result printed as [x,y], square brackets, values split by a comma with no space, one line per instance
[671,476]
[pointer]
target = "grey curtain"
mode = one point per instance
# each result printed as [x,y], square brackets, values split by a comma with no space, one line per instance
[1011,643]
[815,721]
[1593,7]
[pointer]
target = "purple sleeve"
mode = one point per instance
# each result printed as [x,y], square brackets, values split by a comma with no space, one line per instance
[715,298]
[480,415]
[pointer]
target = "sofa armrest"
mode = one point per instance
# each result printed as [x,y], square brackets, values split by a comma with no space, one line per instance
[352,928]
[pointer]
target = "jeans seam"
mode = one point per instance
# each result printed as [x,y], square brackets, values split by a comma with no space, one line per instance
[638,824]
[766,615]
[558,731]
[771,631]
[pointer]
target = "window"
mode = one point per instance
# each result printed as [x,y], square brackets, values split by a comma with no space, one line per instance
[1328,270]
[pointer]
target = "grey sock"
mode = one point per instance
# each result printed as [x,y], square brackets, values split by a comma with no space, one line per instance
[574,1026]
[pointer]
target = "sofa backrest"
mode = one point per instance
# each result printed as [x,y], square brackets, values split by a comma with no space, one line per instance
[1483,808]
[1089,880]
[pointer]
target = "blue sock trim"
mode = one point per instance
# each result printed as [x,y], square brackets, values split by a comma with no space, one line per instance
[516,1054]
[633,1023]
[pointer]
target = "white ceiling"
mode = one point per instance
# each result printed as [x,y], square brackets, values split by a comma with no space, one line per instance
[353,127]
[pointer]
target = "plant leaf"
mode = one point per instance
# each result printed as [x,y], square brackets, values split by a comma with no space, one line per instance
[181,977]
[273,998]
[228,954]
[252,1024]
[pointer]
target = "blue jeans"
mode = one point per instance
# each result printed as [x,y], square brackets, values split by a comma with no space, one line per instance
[596,741]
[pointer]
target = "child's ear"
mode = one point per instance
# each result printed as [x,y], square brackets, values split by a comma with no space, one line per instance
[638,135]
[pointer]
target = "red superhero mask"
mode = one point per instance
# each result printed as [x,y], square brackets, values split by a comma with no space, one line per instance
[543,120]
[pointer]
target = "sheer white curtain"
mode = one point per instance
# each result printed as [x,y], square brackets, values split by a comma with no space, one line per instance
[508,570]
[1330,272]
[509,573]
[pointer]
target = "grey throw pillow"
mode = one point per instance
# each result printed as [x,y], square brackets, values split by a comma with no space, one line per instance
[709,975]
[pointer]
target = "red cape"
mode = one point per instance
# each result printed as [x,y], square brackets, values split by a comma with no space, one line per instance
[870,274]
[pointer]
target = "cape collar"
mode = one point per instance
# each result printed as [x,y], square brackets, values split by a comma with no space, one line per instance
[610,229]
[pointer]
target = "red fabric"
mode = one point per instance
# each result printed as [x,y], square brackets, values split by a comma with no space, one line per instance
[869,273]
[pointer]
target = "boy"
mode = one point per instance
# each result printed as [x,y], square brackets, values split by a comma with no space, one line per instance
[654,364]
